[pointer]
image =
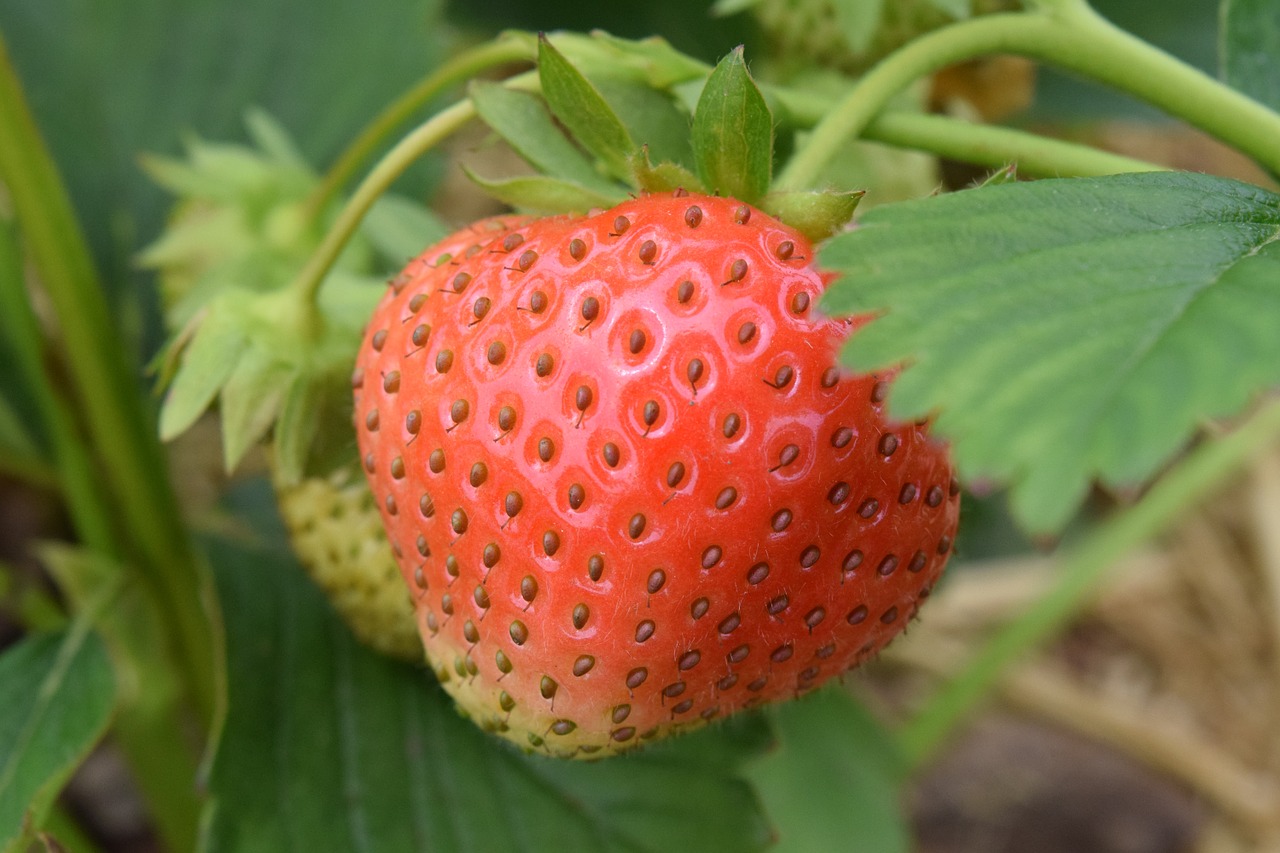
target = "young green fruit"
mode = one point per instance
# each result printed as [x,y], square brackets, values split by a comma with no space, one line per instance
[627,484]
[336,532]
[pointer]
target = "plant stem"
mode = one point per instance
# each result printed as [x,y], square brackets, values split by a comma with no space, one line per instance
[61,827]
[1071,36]
[986,145]
[75,473]
[33,472]
[980,144]
[1188,483]
[457,70]
[392,165]
[107,392]
[27,604]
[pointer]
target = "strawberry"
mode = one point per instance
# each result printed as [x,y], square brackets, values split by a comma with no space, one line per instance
[336,532]
[625,481]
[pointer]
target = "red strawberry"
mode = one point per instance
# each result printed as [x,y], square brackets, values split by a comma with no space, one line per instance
[625,481]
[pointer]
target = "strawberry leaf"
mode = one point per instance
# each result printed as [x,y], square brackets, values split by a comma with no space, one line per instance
[1250,43]
[329,746]
[1064,330]
[828,736]
[523,121]
[546,195]
[56,696]
[733,133]
[580,107]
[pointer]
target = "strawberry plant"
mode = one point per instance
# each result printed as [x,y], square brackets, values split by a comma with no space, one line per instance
[649,439]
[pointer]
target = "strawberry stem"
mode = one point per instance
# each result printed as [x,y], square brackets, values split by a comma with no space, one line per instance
[969,142]
[1202,471]
[1070,35]
[459,69]
[998,146]
[392,165]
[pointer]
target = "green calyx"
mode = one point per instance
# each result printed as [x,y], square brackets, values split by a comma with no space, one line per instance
[612,118]
[274,362]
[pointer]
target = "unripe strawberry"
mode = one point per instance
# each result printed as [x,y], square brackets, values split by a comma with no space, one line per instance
[336,532]
[627,484]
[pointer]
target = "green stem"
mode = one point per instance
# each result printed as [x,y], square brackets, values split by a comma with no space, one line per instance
[1203,470]
[980,144]
[106,389]
[389,168]
[75,472]
[986,145]
[33,472]
[457,70]
[61,827]
[1071,36]
[29,605]
[392,165]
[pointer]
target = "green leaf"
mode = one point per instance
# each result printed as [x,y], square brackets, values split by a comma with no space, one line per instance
[296,428]
[830,739]
[1250,43]
[733,133]
[652,60]
[56,696]
[815,214]
[545,195]
[207,363]
[15,438]
[329,746]
[859,21]
[523,121]
[653,118]
[273,140]
[724,8]
[1068,329]
[251,400]
[583,110]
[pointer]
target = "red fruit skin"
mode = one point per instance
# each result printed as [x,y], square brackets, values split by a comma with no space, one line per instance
[701,568]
